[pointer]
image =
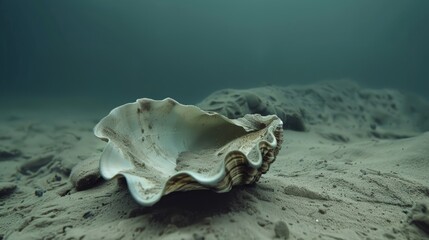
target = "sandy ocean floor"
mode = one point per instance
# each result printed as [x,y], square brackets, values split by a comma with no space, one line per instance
[354,164]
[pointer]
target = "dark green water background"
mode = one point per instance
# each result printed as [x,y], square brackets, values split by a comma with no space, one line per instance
[121,50]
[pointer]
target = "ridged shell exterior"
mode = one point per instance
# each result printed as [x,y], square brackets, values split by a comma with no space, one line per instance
[163,146]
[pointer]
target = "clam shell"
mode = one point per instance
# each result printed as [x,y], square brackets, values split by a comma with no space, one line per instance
[162,146]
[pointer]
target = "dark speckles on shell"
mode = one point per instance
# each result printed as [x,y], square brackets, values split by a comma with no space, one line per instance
[170,104]
[145,106]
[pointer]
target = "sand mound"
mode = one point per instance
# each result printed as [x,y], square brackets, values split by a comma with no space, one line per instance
[339,105]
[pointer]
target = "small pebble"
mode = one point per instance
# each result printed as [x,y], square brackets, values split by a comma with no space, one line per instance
[86,174]
[38,192]
[322,211]
[261,223]
[281,230]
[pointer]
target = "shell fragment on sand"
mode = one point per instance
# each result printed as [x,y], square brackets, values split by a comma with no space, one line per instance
[162,146]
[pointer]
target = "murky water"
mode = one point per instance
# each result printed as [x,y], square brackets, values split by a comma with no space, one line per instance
[117,51]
